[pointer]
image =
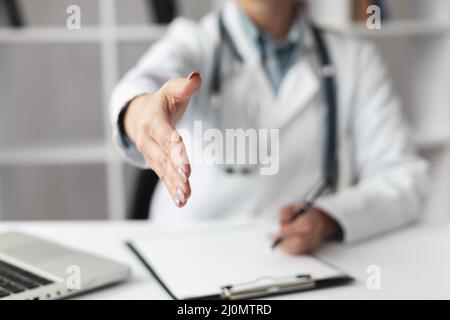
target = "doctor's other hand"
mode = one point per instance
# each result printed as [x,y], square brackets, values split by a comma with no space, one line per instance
[307,232]
[149,122]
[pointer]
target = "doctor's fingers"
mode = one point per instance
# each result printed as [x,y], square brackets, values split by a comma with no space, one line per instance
[303,225]
[297,245]
[182,88]
[175,181]
[170,141]
[287,212]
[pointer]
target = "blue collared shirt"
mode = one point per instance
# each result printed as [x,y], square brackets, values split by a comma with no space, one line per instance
[278,56]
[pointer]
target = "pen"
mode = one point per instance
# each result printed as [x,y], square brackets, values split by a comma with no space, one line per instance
[305,208]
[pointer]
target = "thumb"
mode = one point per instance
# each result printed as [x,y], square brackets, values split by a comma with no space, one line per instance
[286,213]
[182,88]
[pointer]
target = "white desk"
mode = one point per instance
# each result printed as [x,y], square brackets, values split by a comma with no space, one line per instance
[414,262]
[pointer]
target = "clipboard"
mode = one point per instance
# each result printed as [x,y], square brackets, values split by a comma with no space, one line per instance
[169,251]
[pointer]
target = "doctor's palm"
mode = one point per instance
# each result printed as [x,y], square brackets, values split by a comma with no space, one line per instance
[150,123]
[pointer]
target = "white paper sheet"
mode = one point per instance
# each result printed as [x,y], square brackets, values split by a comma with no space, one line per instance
[199,262]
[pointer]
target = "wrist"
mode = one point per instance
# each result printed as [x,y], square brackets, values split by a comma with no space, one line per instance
[331,228]
[128,119]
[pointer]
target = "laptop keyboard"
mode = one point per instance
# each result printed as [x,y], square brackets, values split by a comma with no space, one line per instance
[15,280]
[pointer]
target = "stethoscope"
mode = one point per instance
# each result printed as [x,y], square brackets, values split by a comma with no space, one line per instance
[328,71]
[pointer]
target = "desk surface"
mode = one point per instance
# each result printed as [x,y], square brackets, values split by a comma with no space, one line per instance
[414,262]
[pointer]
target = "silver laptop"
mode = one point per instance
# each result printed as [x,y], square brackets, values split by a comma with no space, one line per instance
[35,269]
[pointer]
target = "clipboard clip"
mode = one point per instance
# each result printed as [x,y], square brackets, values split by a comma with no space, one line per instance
[267,286]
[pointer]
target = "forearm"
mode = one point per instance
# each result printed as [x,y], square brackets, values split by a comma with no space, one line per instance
[378,204]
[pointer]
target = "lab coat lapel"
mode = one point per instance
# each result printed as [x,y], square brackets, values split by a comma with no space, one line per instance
[253,67]
[300,85]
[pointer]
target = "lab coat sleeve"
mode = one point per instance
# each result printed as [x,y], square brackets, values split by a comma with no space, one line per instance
[391,179]
[175,55]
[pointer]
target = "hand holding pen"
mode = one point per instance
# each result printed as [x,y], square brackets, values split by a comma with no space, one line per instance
[304,227]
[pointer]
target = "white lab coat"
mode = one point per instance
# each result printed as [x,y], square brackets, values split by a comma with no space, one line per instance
[390,180]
